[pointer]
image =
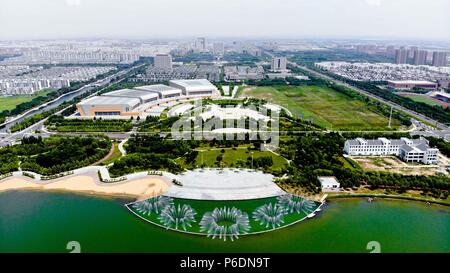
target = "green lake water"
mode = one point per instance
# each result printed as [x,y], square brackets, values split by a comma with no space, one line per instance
[46,222]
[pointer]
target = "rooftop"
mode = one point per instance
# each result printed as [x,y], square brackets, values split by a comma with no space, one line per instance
[196,84]
[224,184]
[328,180]
[106,100]
[411,82]
[420,144]
[161,88]
[132,93]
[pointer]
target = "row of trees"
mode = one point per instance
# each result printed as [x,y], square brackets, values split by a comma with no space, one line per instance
[157,124]
[60,124]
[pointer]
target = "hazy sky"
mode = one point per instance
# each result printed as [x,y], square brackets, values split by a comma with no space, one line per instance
[396,19]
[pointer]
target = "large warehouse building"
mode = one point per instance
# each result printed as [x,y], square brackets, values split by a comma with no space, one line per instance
[125,101]
[412,84]
[108,106]
[143,96]
[162,90]
[197,87]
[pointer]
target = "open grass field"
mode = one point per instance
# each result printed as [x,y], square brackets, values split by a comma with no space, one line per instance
[423,98]
[201,207]
[9,103]
[235,158]
[324,106]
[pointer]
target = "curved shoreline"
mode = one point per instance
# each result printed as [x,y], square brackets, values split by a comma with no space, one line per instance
[384,196]
[88,184]
[94,171]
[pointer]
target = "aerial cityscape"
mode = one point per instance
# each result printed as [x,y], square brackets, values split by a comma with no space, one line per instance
[198,135]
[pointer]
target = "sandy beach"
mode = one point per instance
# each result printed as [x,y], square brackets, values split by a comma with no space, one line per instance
[140,188]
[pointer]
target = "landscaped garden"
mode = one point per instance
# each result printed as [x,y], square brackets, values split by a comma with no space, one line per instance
[53,155]
[240,157]
[224,219]
[147,152]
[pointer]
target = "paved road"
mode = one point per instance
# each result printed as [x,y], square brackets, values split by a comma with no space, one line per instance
[7,139]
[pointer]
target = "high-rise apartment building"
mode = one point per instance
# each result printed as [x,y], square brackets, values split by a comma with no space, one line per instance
[439,58]
[401,56]
[390,51]
[278,64]
[420,57]
[163,61]
[218,48]
[411,51]
[200,44]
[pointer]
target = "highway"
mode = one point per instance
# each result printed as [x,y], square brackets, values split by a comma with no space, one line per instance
[7,138]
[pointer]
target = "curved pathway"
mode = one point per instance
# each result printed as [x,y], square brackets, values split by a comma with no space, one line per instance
[121,148]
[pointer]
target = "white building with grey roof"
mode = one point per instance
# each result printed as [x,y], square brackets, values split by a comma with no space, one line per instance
[409,150]
[197,87]
[162,90]
[108,106]
[144,97]
[134,102]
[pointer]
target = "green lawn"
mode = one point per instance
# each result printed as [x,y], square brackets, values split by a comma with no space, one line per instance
[246,206]
[324,106]
[235,158]
[425,100]
[9,103]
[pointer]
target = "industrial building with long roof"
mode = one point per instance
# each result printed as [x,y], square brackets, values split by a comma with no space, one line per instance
[143,96]
[108,106]
[197,87]
[162,90]
[125,101]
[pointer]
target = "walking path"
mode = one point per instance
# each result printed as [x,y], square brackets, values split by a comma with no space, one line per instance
[86,180]
[111,151]
[121,148]
[199,184]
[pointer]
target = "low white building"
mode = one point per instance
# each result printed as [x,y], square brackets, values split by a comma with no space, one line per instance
[197,87]
[144,97]
[409,150]
[234,113]
[329,183]
[163,91]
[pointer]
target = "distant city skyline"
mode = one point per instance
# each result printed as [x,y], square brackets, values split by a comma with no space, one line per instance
[348,19]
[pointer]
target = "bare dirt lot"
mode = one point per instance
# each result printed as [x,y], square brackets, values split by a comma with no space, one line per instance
[395,165]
